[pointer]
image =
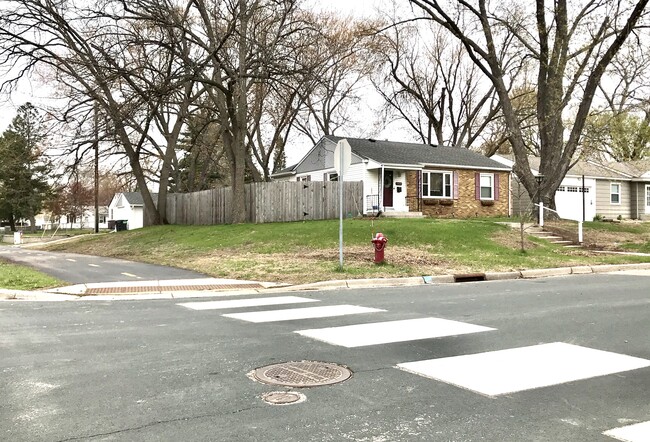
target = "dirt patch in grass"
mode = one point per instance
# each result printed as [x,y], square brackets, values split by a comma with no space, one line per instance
[511,239]
[358,262]
[606,240]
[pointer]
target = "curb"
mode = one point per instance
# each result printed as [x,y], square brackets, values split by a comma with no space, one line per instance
[24,295]
[270,288]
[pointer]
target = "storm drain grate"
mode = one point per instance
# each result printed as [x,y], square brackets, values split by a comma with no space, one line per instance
[469,277]
[302,374]
[170,288]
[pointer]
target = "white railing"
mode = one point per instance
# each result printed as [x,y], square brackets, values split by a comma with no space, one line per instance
[541,220]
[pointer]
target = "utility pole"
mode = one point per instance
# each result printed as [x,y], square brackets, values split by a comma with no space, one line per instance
[96,142]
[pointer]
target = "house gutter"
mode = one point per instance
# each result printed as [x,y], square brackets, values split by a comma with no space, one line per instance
[454,166]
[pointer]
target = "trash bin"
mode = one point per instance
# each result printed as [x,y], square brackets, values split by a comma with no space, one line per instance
[120,225]
[111,224]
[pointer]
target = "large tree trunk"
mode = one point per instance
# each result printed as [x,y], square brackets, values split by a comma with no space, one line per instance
[12,222]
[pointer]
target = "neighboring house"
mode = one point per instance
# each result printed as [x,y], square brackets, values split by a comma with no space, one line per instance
[85,221]
[406,177]
[128,206]
[591,188]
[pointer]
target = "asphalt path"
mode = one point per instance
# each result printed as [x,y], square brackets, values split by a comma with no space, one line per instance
[156,370]
[84,269]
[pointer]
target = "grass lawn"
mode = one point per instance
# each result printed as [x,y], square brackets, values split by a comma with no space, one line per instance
[308,251]
[19,277]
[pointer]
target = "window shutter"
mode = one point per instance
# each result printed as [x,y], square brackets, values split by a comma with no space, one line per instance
[456,184]
[419,179]
[477,186]
[496,187]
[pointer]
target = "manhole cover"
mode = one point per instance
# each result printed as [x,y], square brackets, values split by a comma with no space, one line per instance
[302,374]
[283,397]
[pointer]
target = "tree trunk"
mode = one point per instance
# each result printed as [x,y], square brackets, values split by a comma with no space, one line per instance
[32,224]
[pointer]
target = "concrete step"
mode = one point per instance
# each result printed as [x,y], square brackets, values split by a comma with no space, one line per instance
[562,242]
[394,214]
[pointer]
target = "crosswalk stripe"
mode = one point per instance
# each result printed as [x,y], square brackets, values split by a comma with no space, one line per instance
[517,369]
[632,433]
[302,313]
[237,303]
[392,331]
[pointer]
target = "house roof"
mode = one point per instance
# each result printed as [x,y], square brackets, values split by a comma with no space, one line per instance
[135,198]
[636,169]
[414,154]
[588,168]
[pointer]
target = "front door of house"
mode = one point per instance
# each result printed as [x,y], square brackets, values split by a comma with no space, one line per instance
[388,188]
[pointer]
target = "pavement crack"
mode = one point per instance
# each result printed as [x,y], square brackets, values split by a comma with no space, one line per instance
[153,424]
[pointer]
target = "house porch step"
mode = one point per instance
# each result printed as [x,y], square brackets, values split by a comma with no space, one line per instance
[553,238]
[395,214]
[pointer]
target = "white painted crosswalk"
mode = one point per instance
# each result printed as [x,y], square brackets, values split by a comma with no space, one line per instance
[501,372]
[492,373]
[393,331]
[241,303]
[631,433]
[302,313]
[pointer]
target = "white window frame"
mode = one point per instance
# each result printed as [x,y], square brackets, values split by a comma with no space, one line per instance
[612,193]
[481,187]
[446,175]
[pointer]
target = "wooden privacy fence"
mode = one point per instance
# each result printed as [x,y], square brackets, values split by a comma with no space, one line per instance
[267,202]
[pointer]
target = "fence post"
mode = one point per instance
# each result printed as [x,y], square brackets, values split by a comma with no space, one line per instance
[541,214]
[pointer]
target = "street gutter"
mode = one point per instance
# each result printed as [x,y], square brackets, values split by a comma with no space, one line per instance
[76,292]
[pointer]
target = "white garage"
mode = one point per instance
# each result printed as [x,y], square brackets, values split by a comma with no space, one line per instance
[573,195]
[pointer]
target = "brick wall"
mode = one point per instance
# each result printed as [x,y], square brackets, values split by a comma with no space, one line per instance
[466,205]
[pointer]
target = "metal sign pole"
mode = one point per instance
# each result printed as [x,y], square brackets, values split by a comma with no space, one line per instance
[341,211]
[342,159]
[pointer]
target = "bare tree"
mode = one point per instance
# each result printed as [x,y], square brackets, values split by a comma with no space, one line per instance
[103,57]
[428,81]
[340,63]
[619,128]
[236,45]
[571,44]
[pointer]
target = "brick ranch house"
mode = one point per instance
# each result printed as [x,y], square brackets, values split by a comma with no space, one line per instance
[409,179]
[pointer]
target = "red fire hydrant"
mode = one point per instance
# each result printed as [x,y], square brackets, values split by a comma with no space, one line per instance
[379,241]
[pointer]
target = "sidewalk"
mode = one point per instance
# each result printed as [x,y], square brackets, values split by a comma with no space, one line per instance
[213,287]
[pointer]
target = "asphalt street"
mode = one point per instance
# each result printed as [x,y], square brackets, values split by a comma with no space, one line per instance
[83,269]
[179,370]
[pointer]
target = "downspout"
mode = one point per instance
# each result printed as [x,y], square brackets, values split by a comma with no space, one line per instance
[380,203]
[637,201]
[509,194]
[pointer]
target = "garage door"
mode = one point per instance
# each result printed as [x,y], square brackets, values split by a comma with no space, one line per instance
[569,202]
